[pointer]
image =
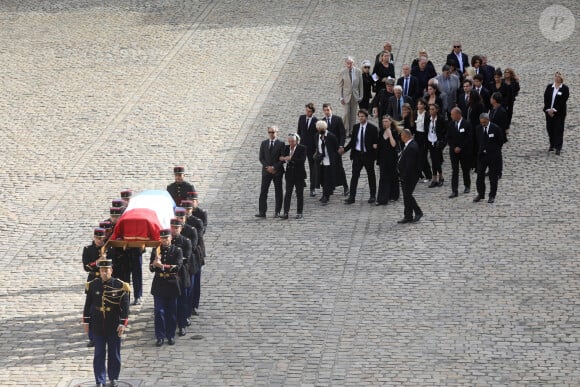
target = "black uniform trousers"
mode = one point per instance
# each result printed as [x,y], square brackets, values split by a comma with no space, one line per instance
[358,162]
[463,159]
[267,178]
[436,157]
[555,128]
[290,185]
[409,201]
[493,162]
[109,347]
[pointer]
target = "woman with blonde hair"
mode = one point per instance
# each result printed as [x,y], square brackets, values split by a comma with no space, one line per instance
[513,82]
[555,98]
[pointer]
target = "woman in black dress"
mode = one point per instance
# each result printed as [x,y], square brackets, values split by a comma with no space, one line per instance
[513,82]
[387,156]
[383,70]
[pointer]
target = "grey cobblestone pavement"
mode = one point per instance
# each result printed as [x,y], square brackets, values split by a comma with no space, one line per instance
[100,96]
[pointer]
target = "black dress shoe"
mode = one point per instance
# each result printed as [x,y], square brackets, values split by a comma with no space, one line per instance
[324,199]
[260,215]
[285,216]
[277,215]
[417,217]
[346,191]
[440,184]
[114,383]
[453,195]
[159,342]
[181,332]
[138,301]
[381,203]
[312,193]
[405,220]
[349,201]
[466,190]
[194,312]
[433,184]
[558,152]
[551,149]
[477,199]
[91,343]
[299,216]
[100,385]
[491,199]
[171,341]
[372,199]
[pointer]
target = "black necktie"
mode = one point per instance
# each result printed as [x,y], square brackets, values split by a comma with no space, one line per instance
[323,146]
[271,144]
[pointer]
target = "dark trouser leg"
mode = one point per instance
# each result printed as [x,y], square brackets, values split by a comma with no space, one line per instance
[343,181]
[190,297]
[278,193]
[137,274]
[288,194]
[409,201]
[550,129]
[99,359]
[263,202]
[311,170]
[299,196]
[558,132]
[370,168]
[170,316]
[436,158]
[465,161]
[357,165]
[494,175]
[384,186]
[327,182]
[454,170]
[114,357]
[183,307]
[394,183]
[424,162]
[480,182]
[159,308]
[196,289]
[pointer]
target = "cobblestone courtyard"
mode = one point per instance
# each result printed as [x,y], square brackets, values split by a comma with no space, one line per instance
[98,96]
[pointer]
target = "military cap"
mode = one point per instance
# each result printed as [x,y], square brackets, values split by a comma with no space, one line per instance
[106,263]
[165,233]
[175,222]
[99,232]
[179,169]
[126,193]
[180,211]
[186,204]
[117,203]
[192,195]
[115,211]
[106,225]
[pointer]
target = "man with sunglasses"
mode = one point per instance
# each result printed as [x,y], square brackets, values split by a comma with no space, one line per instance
[461,59]
[270,151]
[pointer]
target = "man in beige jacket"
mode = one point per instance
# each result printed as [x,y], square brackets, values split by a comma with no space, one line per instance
[351,91]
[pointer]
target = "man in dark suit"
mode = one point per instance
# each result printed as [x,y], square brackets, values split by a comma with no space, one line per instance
[395,106]
[326,158]
[489,141]
[487,69]
[555,98]
[408,167]
[270,152]
[463,98]
[497,114]
[336,127]
[307,133]
[460,141]
[294,156]
[481,90]
[363,142]
[410,85]
[460,58]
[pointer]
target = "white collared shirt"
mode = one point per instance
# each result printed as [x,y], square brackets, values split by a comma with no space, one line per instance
[326,159]
[554,93]
[420,122]
[432,135]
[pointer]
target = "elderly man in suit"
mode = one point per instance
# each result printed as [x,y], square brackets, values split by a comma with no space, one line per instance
[409,175]
[307,132]
[457,54]
[350,85]
[270,151]
[395,105]
[294,157]
[460,141]
[448,84]
[327,157]
[336,127]
[410,84]
[489,142]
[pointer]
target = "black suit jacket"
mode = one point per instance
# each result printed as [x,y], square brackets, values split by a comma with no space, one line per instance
[393,109]
[295,166]
[489,144]
[440,130]
[461,137]
[499,117]
[464,58]
[484,93]
[414,91]
[271,157]
[409,165]
[462,104]
[337,128]
[559,101]
[371,138]
[308,134]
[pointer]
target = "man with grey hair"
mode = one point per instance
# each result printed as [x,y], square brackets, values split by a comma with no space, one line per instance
[448,84]
[350,84]
[395,105]
[270,151]
[294,157]
[489,140]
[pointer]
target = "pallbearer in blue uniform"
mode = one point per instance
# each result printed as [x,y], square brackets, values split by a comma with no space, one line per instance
[92,255]
[179,188]
[194,215]
[107,311]
[126,196]
[166,261]
[184,300]
[135,257]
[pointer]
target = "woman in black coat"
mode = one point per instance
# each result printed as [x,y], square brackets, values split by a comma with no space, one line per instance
[387,156]
[555,98]
[384,70]
[475,107]
[436,131]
